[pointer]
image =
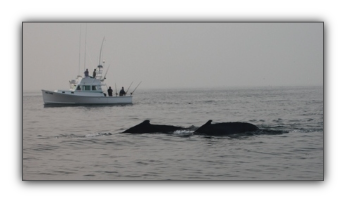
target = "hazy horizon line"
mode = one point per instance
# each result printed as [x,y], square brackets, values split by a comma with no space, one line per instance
[184,88]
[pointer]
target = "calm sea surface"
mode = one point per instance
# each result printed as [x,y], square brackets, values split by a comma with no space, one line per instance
[85,143]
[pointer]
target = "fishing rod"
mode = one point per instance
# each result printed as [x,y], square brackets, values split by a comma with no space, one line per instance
[116,92]
[135,88]
[128,88]
[106,73]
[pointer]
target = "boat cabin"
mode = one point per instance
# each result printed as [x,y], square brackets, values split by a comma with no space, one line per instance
[88,83]
[84,86]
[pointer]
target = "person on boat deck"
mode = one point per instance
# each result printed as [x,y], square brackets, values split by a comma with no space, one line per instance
[94,73]
[110,91]
[122,92]
[86,73]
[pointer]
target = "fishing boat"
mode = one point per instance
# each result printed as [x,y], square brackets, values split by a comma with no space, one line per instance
[86,90]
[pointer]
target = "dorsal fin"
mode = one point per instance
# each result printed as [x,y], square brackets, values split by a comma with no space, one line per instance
[146,122]
[200,129]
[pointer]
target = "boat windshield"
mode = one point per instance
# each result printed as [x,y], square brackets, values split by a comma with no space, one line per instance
[88,88]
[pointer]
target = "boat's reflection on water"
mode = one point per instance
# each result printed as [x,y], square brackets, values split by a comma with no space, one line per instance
[82,105]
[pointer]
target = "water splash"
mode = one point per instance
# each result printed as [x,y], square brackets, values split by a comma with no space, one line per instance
[183,132]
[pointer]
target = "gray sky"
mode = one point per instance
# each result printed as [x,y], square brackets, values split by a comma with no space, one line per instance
[175,55]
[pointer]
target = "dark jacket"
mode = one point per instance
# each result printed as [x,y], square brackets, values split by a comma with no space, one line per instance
[110,92]
[122,92]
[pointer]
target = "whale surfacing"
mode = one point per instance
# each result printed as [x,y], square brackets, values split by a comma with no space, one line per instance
[146,127]
[228,128]
[217,129]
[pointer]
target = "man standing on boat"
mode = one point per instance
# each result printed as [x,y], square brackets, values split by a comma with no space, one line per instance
[86,73]
[94,73]
[122,92]
[110,91]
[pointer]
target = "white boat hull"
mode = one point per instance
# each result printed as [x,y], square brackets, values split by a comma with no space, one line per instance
[56,98]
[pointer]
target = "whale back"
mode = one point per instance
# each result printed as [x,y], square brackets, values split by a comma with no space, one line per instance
[238,127]
[146,127]
[227,128]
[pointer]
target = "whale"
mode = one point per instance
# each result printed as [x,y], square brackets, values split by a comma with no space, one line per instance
[226,128]
[146,127]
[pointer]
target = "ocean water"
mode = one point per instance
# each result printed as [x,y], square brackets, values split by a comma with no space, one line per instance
[85,143]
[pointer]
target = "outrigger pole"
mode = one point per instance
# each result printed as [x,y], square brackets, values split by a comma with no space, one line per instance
[101,51]
[135,88]
[86,30]
[80,33]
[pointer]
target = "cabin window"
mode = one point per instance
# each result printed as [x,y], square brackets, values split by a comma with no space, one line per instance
[78,87]
[93,88]
[87,88]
